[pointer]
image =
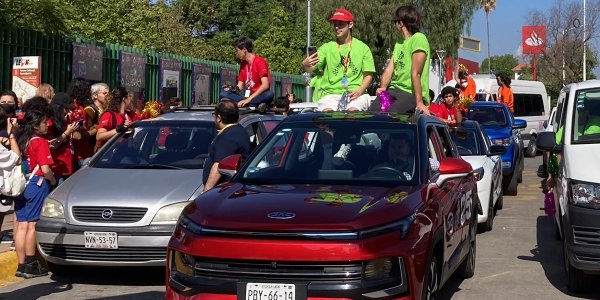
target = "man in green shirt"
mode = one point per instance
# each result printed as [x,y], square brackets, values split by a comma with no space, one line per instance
[408,70]
[347,65]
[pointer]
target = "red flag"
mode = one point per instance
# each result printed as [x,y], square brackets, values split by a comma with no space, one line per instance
[534,39]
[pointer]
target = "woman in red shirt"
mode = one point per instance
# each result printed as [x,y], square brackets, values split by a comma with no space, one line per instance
[115,118]
[448,110]
[29,207]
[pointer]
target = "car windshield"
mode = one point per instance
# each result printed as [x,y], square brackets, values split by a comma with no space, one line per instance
[466,142]
[586,124]
[164,145]
[336,152]
[488,115]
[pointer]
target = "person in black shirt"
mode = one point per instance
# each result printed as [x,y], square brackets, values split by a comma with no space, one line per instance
[231,139]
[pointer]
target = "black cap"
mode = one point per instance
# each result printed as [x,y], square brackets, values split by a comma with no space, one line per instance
[62,99]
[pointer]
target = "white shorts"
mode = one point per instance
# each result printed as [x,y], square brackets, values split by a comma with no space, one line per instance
[331,102]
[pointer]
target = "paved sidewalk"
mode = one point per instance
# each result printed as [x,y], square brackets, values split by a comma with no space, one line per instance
[8,258]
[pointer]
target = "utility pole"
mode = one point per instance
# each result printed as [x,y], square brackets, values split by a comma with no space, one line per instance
[584,50]
[308,90]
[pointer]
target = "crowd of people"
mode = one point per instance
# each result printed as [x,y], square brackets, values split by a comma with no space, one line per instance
[51,135]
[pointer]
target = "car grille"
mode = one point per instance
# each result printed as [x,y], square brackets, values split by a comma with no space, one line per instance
[123,254]
[275,270]
[119,214]
[586,236]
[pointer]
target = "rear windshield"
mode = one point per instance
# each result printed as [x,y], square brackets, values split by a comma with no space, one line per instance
[170,145]
[586,123]
[466,142]
[488,115]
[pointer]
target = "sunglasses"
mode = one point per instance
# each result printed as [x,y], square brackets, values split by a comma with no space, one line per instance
[339,24]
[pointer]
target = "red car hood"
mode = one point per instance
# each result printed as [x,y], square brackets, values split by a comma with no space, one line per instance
[314,207]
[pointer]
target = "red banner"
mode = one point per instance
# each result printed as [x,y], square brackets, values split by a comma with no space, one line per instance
[534,39]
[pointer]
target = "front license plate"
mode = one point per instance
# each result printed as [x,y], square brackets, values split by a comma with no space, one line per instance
[270,291]
[101,240]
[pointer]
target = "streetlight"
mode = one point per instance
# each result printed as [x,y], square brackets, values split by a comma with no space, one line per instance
[307,88]
[576,24]
[441,54]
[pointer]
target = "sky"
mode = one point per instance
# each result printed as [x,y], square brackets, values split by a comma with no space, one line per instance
[505,27]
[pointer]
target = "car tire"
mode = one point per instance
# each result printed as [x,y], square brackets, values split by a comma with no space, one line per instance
[489,223]
[522,166]
[576,279]
[531,150]
[500,202]
[431,282]
[467,267]
[57,269]
[510,184]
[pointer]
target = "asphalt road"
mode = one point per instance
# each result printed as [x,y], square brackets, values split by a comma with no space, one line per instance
[518,259]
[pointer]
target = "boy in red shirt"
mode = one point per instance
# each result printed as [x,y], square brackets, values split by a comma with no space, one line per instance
[254,77]
[448,111]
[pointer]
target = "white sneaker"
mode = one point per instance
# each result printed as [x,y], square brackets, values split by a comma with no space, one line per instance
[343,152]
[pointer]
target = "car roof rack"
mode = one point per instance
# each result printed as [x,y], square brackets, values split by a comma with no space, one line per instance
[242,110]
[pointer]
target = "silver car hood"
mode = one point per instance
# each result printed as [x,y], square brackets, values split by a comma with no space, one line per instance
[128,187]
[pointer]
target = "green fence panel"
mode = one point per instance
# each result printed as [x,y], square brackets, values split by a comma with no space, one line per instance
[57,55]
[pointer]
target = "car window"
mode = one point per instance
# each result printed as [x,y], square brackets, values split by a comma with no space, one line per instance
[169,146]
[528,105]
[586,119]
[488,115]
[445,141]
[466,142]
[339,151]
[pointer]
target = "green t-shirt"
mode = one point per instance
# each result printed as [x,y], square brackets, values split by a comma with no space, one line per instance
[315,83]
[592,126]
[331,61]
[402,58]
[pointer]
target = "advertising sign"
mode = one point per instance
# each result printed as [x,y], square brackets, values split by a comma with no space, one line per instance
[170,79]
[534,39]
[201,74]
[87,61]
[26,76]
[132,73]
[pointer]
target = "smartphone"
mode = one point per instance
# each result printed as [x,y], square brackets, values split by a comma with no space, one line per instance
[80,123]
[311,50]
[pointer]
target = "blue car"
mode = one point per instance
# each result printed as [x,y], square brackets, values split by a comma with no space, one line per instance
[503,129]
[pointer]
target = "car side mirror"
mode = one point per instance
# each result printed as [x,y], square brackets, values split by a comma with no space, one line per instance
[496,150]
[451,168]
[546,141]
[545,124]
[519,124]
[230,164]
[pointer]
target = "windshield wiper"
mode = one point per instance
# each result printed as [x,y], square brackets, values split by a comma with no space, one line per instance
[152,166]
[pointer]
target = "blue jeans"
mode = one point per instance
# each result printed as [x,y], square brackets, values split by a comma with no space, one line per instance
[264,97]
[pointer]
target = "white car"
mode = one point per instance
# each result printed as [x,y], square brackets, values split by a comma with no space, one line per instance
[475,147]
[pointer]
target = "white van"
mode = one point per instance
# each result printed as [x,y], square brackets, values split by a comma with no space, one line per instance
[531,104]
[576,138]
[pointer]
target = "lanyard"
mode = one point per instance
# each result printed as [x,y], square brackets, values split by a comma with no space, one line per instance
[345,61]
[249,71]
[226,126]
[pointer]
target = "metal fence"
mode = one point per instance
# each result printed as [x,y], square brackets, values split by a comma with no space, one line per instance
[57,55]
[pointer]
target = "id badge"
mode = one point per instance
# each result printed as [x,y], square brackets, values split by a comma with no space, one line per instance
[344,81]
[247,93]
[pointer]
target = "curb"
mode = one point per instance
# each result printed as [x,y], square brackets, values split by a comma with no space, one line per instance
[8,267]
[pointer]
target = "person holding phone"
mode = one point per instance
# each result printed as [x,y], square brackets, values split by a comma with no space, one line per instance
[61,131]
[254,77]
[406,77]
[115,118]
[347,66]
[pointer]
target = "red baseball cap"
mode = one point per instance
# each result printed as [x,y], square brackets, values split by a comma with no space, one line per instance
[342,15]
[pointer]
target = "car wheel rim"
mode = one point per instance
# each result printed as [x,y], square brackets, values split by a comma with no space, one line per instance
[432,285]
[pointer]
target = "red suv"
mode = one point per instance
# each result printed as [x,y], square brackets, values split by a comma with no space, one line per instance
[332,206]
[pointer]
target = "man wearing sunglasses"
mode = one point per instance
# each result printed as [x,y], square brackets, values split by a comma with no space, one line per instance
[407,73]
[347,65]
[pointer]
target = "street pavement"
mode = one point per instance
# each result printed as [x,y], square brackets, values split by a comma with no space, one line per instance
[518,259]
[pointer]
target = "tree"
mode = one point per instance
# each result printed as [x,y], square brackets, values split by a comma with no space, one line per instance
[488,6]
[565,43]
[48,16]
[501,63]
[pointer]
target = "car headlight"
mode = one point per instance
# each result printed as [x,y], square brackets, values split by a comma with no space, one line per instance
[479,172]
[182,263]
[503,142]
[53,209]
[401,227]
[169,213]
[585,194]
[378,269]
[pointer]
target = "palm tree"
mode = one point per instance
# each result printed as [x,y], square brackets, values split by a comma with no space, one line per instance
[488,6]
